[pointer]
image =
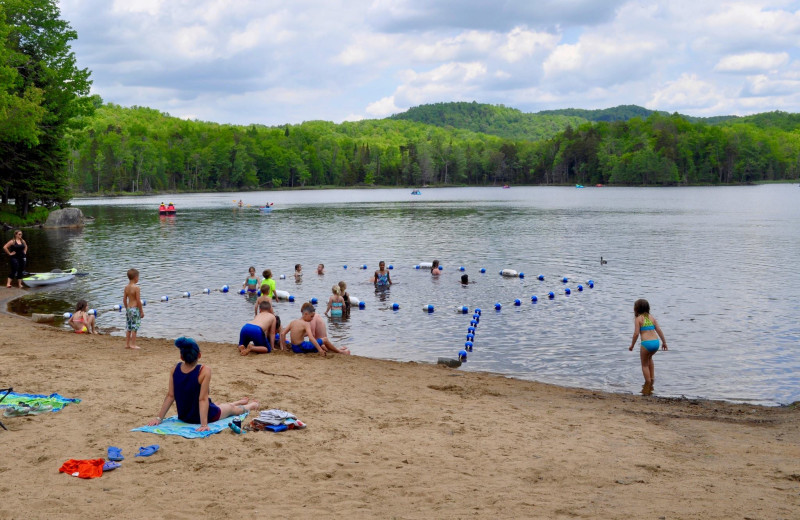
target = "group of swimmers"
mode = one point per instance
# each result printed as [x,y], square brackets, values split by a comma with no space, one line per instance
[303,335]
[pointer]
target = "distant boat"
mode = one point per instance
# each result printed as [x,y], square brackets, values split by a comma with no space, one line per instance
[506,186]
[598,185]
[265,209]
[579,186]
[416,192]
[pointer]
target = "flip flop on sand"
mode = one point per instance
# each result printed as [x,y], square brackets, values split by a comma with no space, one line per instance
[115,454]
[146,451]
[110,465]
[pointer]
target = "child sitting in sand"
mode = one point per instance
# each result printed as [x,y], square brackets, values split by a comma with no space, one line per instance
[81,321]
[260,332]
[300,329]
[189,385]
[647,326]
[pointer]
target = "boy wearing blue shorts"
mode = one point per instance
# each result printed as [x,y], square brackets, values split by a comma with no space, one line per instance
[259,332]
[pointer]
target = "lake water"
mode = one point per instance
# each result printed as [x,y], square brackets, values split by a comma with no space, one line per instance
[718,265]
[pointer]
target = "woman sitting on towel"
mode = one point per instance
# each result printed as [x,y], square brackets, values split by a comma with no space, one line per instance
[188,388]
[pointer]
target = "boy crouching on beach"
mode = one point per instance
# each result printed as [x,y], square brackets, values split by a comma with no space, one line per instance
[260,331]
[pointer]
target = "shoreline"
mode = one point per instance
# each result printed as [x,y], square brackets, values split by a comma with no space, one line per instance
[384,439]
[6,296]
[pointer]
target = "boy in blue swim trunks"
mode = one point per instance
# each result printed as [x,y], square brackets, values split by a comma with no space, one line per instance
[300,329]
[647,326]
[259,332]
[134,312]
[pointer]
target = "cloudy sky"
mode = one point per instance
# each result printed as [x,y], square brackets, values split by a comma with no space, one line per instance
[273,62]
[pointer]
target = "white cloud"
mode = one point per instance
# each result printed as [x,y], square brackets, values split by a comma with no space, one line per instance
[752,62]
[383,107]
[688,91]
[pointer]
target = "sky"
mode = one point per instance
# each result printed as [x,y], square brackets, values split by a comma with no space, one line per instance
[275,62]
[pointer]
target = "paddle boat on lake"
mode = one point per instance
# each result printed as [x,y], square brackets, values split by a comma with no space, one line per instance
[416,192]
[53,277]
[166,210]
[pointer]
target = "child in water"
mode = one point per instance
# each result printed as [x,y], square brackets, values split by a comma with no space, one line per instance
[435,268]
[81,321]
[298,272]
[381,279]
[335,303]
[251,283]
[345,297]
[647,326]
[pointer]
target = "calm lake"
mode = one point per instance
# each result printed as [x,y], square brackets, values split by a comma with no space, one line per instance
[718,265]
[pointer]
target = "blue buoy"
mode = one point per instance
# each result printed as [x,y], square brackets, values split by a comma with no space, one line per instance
[416,267]
[206,291]
[362,305]
[462,356]
[242,291]
[67,315]
[144,302]
[390,267]
[291,298]
[258,292]
[517,302]
[463,309]
[277,337]
[540,277]
[473,323]
[483,269]
[478,311]
[363,266]
[580,287]
[441,268]
[534,299]
[590,283]
[186,294]
[395,306]
[427,308]
[476,318]
[225,288]
[565,279]
[522,275]
[468,346]
[567,291]
[314,301]
[497,306]
[471,330]
[344,266]
[461,268]
[551,295]
[470,336]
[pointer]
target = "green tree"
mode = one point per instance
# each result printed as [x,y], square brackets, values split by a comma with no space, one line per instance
[48,93]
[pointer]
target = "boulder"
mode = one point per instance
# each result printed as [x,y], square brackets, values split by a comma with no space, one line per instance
[43,318]
[65,218]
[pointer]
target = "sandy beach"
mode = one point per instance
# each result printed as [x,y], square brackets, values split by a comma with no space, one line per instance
[384,440]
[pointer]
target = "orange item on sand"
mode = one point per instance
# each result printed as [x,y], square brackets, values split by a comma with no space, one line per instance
[91,468]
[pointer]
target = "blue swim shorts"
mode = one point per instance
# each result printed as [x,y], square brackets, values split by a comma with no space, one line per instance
[305,347]
[253,333]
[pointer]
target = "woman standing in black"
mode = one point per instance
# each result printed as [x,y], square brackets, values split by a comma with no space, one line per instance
[16,249]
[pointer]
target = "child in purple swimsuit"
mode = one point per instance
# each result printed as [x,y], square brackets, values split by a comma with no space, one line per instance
[188,389]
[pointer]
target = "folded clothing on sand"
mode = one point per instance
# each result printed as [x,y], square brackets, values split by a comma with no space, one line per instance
[174,426]
[275,421]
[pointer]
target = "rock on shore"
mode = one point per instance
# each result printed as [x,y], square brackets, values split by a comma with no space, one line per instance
[65,218]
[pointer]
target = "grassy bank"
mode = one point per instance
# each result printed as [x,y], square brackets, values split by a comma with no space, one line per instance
[9,216]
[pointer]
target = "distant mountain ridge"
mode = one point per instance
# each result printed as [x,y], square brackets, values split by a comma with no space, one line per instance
[511,123]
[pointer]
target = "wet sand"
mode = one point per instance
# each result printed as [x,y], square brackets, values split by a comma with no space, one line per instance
[384,440]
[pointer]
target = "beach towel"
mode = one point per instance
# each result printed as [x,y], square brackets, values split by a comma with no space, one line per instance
[174,426]
[52,402]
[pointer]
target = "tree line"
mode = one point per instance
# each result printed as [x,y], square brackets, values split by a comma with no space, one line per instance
[141,149]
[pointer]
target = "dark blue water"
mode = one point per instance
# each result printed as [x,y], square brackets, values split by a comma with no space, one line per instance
[718,266]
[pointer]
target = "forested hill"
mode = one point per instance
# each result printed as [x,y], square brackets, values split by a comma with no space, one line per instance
[498,120]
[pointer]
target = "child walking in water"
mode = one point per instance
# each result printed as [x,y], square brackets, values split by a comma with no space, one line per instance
[345,297]
[381,279]
[81,321]
[251,283]
[647,326]
[335,303]
[134,311]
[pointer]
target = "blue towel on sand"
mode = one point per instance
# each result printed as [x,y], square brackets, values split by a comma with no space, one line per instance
[56,401]
[172,426]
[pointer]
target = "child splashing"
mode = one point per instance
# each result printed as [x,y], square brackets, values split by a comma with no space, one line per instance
[647,326]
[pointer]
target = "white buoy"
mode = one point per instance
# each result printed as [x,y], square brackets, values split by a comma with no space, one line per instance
[186,294]
[281,295]
[283,277]
[206,291]
[509,272]
[165,298]
[117,307]
[93,312]
[67,315]
[425,265]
